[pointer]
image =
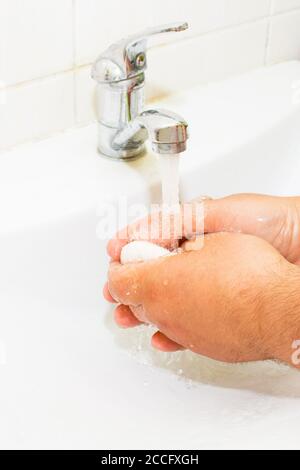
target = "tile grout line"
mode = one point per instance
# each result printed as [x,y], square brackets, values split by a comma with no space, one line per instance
[268,38]
[285,12]
[74,61]
[44,77]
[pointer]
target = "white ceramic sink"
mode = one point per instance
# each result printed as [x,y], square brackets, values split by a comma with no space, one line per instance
[68,377]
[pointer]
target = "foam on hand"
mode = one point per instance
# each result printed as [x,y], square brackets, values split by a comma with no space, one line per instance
[139,251]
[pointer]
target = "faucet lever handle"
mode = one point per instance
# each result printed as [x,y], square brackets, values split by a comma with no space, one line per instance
[155,30]
[127,58]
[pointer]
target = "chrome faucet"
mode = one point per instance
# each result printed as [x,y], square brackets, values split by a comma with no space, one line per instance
[124,124]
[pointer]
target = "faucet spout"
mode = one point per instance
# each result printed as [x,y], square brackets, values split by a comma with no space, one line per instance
[167,131]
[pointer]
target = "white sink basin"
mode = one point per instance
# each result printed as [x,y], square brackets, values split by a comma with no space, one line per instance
[68,377]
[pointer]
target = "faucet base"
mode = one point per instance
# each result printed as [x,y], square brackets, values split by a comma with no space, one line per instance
[106,136]
[124,157]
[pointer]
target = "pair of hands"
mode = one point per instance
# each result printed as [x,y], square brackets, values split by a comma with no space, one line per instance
[236,299]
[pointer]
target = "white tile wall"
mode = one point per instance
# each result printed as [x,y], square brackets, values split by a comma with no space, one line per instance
[47,46]
[284,37]
[37,109]
[209,15]
[38,38]
[85,95]
[285,5]
[171,68]
[99,23]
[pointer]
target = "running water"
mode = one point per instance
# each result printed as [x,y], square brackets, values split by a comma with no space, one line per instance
[169,171]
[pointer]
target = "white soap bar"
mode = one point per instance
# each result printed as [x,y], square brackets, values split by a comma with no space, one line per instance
[139,251]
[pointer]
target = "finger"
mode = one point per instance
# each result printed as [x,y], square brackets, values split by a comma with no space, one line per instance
[240,213]
[193,245]
[125,318]
[163,343]
[124,236]
[125,283]
[225,214]
[107,295]
[139,313]
[114,247]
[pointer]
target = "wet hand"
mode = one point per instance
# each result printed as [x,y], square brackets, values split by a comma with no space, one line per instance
[227,301]
[275,219]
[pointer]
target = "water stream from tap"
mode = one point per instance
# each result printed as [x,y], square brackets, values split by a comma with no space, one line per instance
[169,171]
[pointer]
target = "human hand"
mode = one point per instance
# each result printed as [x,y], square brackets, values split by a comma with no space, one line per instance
[275,219]
[234,300]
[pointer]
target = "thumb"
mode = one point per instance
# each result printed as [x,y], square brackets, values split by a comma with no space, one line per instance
[125,283]
[132,284]
[218,215]
[237,213]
